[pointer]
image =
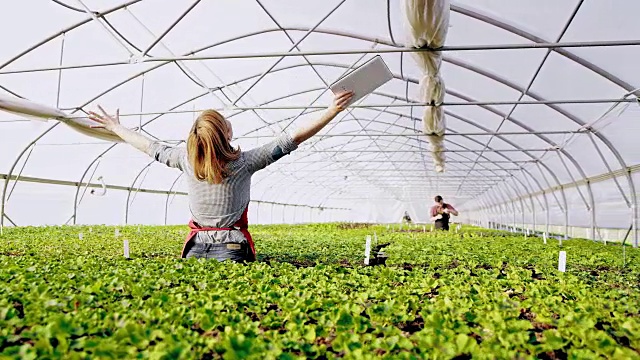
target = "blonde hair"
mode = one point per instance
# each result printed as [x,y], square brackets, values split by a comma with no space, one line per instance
[208,148]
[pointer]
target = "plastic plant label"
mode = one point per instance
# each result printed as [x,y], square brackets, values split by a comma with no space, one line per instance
[562,261]
[126,248]
[544,238]
[80,236]
[367,250]
[90,229]
[424,228]
[117,232]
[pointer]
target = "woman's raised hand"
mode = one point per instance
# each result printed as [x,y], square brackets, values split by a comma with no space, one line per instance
[107,121]
[341,100]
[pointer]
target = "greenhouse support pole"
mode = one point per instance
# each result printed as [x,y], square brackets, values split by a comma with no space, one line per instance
[129,200]
[3,204]
[593,223]
[635,225]
[534,218]
[515,221]
[566,222]
[548,217]
[166,203]
[523,224]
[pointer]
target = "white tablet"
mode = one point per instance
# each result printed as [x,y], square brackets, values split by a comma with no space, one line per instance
[364,79]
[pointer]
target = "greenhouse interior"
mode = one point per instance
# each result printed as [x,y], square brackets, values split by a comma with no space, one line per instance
[417,179]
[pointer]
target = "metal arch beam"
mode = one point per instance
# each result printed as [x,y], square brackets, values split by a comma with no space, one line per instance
[499,113]
[479,143]
[483,17]
[544,138]
[395,141]
[318,31]
[295,45]
[476,14]
[539,67]
[164,33]
[126,210]
[13,167]
[466,12]
[66,30]
[295,192]
[418,140]
[75,201]
[471,123]
[552,106]
[459,95]
[415,146]
[166,203]
[196,51]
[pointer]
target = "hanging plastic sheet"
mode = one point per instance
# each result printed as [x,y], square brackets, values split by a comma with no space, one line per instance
[35,111]
[427,23]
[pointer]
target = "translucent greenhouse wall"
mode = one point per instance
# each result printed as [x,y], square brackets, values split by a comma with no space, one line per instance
[601,206]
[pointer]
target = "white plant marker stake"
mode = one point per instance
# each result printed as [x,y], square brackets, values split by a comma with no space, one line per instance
[387,226]
[126,249]
[90,229]
[117,232]
[80,236]
[367,250]
[562,261]
[544,237]
[424,228]
[139,230]
[431,228]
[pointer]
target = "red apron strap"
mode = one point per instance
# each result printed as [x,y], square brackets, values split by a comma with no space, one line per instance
[242,224]
[194,228]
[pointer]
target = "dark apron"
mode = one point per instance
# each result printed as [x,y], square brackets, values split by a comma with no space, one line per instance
[242,224]
[443,224]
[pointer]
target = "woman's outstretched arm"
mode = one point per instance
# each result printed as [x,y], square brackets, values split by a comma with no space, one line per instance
[170,156]
[112,123]
[267,154]
[306,131]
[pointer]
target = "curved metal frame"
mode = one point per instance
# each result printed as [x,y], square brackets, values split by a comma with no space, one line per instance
[457,8]
[126,209]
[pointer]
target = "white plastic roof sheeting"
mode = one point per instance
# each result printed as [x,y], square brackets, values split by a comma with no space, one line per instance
[540,106]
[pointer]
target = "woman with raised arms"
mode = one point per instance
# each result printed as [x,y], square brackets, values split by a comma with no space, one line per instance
[219,176]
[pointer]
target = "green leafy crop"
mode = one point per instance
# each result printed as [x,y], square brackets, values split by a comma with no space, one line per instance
[481,294]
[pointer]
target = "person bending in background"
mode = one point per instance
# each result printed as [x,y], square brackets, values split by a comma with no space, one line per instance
[441,213]
[219,176]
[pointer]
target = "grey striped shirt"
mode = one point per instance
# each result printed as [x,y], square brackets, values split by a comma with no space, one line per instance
[221,205]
